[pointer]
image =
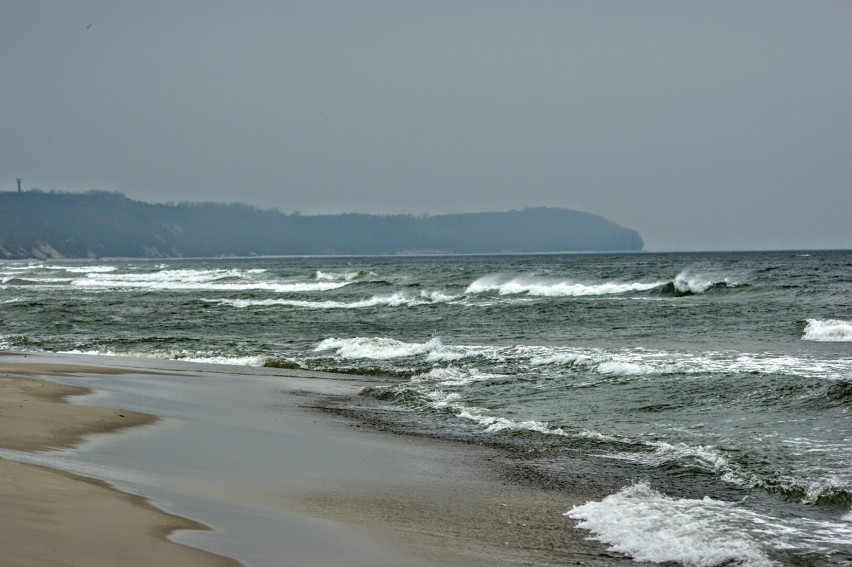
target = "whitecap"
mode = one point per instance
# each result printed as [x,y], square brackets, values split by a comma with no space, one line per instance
[201,280]
[232,360]
[560,359]
[453,376]
[494,424]
[337,276]
[551,287]
[619,368]
[650,526]
[828,330]
[84,269]
[397,299]
[686,282]
[378,348]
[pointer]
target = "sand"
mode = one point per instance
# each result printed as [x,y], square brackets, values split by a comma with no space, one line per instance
[55,518]
[244,451]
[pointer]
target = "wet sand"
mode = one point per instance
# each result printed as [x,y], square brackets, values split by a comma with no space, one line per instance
[242,450]
[55,518]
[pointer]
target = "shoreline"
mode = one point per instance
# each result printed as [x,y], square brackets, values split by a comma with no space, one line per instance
[51,516]
[340,493]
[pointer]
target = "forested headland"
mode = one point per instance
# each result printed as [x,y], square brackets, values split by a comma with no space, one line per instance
[36,224]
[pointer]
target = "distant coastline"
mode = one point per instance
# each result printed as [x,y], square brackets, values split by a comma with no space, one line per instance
[95,224]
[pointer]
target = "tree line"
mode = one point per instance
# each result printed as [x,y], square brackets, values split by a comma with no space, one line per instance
[107,224]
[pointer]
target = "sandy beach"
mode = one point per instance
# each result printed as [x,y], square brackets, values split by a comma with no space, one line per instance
[172,463]
[55,518]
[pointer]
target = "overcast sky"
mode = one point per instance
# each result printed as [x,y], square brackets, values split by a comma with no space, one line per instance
[704,125]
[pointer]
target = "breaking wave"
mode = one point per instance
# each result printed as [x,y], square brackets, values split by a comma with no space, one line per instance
[828,330]
[389,300]
[201,280]
[604,362]
[686,284]
[83,269]
[379,348]
[184,355]
[650,526]
[339,276]
[551,287]
[429,390]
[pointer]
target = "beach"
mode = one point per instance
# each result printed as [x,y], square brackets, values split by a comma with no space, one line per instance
[55,518]
[108,459]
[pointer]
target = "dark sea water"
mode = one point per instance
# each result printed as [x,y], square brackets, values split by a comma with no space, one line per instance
[704,401]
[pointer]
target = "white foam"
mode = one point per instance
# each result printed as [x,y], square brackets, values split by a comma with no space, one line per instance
[618,368]
[561,359]
[687,282]
[551,287]
[232,360]
[84,269]
[387,300]
[701,456]
[650,526]
[828,330]
[378,348]
[493,423]
[177,355]
[597,436]
[32,280]
[17,268]
[453,376]
[636,362]
[201,280]
[337,276]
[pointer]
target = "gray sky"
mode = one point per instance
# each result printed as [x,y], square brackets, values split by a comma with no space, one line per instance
[704,125]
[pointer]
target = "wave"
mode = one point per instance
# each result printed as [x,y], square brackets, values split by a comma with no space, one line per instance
[617,368]
[828,330]
[453,376]
[697,457]
[84,269]
[686,284]
[428,390]
[201,280]
[340,276]
[390,300]
[493,424]
[565,361]
[551,287]
[380,348]
[639,362]
[650,526]
[839,393]
[184,355]
[15,281]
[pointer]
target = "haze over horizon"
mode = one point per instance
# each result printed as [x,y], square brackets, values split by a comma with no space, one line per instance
[702,125]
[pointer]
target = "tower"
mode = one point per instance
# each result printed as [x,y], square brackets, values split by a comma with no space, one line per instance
[19,184]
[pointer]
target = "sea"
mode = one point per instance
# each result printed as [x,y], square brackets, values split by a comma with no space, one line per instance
[702,401]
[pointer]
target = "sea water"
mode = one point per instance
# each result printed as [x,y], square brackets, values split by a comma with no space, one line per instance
[702,401]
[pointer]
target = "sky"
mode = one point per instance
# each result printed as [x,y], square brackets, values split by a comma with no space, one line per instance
[704,125]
